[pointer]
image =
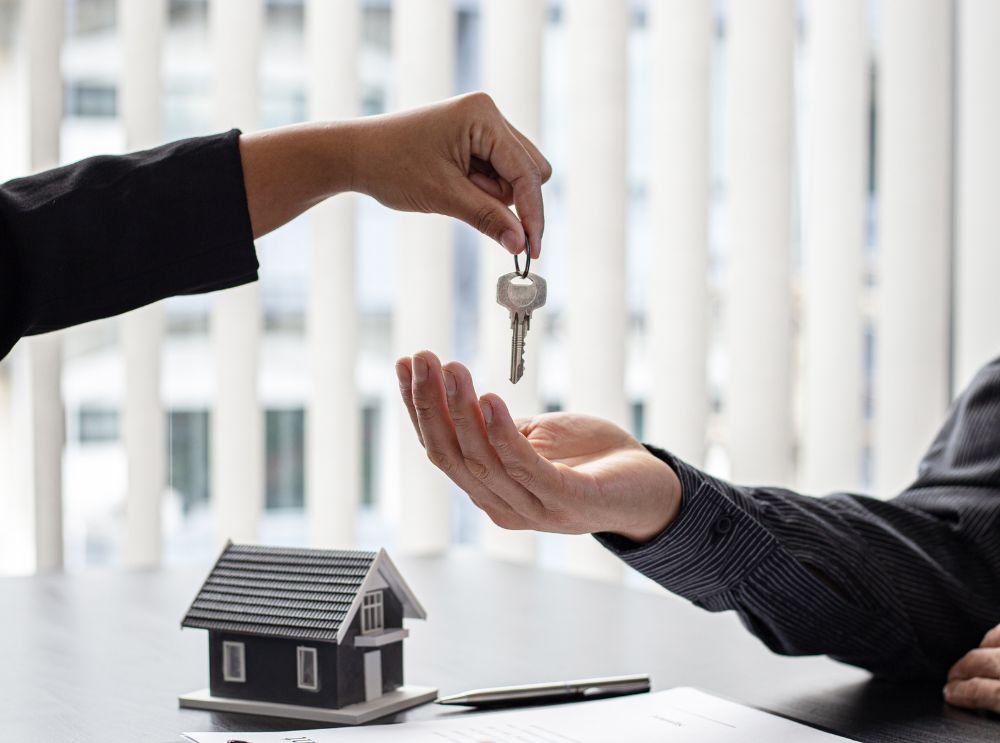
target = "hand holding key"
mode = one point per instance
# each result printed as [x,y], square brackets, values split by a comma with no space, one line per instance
[559,472]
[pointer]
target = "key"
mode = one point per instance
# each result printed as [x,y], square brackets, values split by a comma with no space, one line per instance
[521,297]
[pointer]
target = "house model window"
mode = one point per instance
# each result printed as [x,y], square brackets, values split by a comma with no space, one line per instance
[234,662]
[372,614]
[308,671]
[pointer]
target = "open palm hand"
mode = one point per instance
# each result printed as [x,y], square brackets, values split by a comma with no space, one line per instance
[558,472]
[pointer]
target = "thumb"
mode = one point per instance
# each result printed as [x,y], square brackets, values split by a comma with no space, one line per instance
[489,215]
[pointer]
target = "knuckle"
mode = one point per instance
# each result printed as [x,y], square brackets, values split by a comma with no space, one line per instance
[522,475]
[478,502]
[423,406]
[406,393]
[535,512]
[478,469]
[979,692]
[440,459]
[506,519]
[546,169]
[503,447]
[498,518]
[482,100]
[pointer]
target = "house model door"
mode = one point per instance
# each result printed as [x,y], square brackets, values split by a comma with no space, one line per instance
[373,675]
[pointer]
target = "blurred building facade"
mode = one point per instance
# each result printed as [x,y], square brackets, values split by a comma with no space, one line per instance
[737,157]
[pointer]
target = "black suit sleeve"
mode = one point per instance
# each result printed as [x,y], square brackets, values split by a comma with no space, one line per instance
[902,587]
[109,234]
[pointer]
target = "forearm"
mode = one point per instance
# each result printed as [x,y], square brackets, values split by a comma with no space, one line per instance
[292,168]
[868,582]
[109,234]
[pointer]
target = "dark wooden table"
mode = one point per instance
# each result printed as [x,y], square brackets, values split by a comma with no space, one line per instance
[100,657]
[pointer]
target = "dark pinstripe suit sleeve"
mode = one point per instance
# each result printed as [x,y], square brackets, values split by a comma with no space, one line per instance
[901,587]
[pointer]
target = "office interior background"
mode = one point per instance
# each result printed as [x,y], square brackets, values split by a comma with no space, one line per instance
[771,247]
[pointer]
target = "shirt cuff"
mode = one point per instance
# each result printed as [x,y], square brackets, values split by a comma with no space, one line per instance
[715,542]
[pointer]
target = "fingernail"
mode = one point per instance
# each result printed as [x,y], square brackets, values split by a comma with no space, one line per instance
[487,411]
[419,369]
[449,383]
[510,240]
[946,691]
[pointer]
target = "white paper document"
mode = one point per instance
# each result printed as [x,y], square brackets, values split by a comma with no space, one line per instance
[676,716]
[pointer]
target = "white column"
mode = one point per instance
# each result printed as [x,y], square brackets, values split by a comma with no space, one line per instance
[758,300]
[333,419]
[515,82]
[914,177]
[596,198]
[423,37]
[834,229]
[977,301]
[37,408]
[16,532]
[677,309]
[237,419]
[141,24]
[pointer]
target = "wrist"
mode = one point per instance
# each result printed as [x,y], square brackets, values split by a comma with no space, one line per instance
[658,507]
[336,150]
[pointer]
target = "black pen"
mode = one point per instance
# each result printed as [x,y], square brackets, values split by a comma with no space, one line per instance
[551,693]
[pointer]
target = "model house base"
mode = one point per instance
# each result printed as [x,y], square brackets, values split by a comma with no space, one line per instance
[389,703]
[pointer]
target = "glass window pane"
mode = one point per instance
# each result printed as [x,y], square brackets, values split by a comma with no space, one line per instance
[188,442]
[308,671]
[285,436]
[232,661]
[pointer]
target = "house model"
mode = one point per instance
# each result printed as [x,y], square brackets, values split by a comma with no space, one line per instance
[309,634]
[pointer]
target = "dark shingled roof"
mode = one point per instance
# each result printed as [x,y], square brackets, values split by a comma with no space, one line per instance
[279,592]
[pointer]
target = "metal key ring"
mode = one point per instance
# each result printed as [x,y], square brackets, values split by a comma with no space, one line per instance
[527,260]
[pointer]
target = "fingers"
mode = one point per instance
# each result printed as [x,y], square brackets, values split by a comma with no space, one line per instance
[483,175]
[492,186]
[404,373]
[977,662]
[439,439]
[520,461]
[527,193]
[976,693]
[500,470]
[991,639]
[479,456]
[536,155]
[974,681]
[478,208]
[516,161]
[529,208]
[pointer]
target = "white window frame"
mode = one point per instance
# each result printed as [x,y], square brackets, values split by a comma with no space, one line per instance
[372,612]
[239,648]
[303,652]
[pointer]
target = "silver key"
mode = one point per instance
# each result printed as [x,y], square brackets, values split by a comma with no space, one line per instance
[520,299]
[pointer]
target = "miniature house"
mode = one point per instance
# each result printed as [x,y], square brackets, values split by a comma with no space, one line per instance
[299,628]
